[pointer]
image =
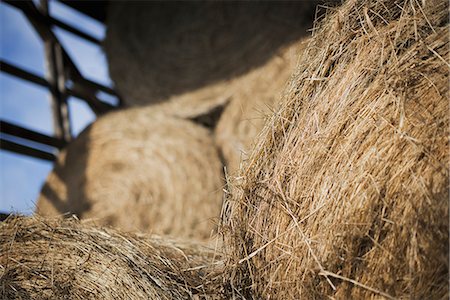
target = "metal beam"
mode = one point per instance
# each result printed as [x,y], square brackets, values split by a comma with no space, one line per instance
[60,70]
[55,74]
[27,134]
[22,74]
[97,86]
[78,90]
[97,106]
[25,150]
[73,30]
[93,9]
[39,23]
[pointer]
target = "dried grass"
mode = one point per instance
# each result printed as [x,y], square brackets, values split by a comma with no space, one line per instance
[346,195]
[246,101]
[190,58]
[66,259]
[160,49]
[253,97]
[139,169]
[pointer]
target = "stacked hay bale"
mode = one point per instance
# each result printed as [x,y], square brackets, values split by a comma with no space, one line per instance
[160,49]
[139,169]
[346,195]
[194,56]
[245,103]
[254,97]
[65,259]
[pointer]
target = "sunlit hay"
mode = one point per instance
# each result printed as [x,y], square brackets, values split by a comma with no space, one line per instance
[138,169]
[157,50]
[346,195]
[65,259]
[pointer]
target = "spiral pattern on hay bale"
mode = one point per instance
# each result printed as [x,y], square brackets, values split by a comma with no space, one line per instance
[346,195]
[139,169]
[65,259]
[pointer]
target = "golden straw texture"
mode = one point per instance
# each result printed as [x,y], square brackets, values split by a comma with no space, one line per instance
[346,195]
[138,169]
[247,100]
[64,259]
[253,97]
[192,57]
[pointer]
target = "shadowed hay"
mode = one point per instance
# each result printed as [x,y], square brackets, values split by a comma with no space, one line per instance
[138,169]
[207,54]
[160,49]
[65,259]
[253,97]
[346,195]
[248,99]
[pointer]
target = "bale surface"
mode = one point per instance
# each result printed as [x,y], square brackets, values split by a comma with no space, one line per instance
[253,97]
[346,195]
[246,101]
[160,49]
[64,259]
[138,169]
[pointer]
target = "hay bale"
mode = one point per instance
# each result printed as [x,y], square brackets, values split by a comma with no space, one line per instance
[253,97]
[244,103]
[346,195]
[64,259]
[138,169]
[160,49]
[203,55]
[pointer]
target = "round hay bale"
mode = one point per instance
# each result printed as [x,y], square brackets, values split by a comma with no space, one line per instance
[138,169]
[64,259]
[244,103]
[160,49]
[346,195]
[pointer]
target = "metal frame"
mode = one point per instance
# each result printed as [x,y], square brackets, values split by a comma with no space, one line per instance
[63,79]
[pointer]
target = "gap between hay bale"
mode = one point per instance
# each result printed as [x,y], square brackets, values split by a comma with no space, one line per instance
[346,195]
[239,56]
[246,102]
[139,169]
[65,259]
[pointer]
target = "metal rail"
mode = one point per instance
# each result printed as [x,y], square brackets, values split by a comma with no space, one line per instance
[60,70]
[66,27]
[31,135]
[21,73]
[26,150]
[77,89]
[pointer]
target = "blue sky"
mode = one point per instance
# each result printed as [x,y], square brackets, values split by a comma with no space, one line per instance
[28,105]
